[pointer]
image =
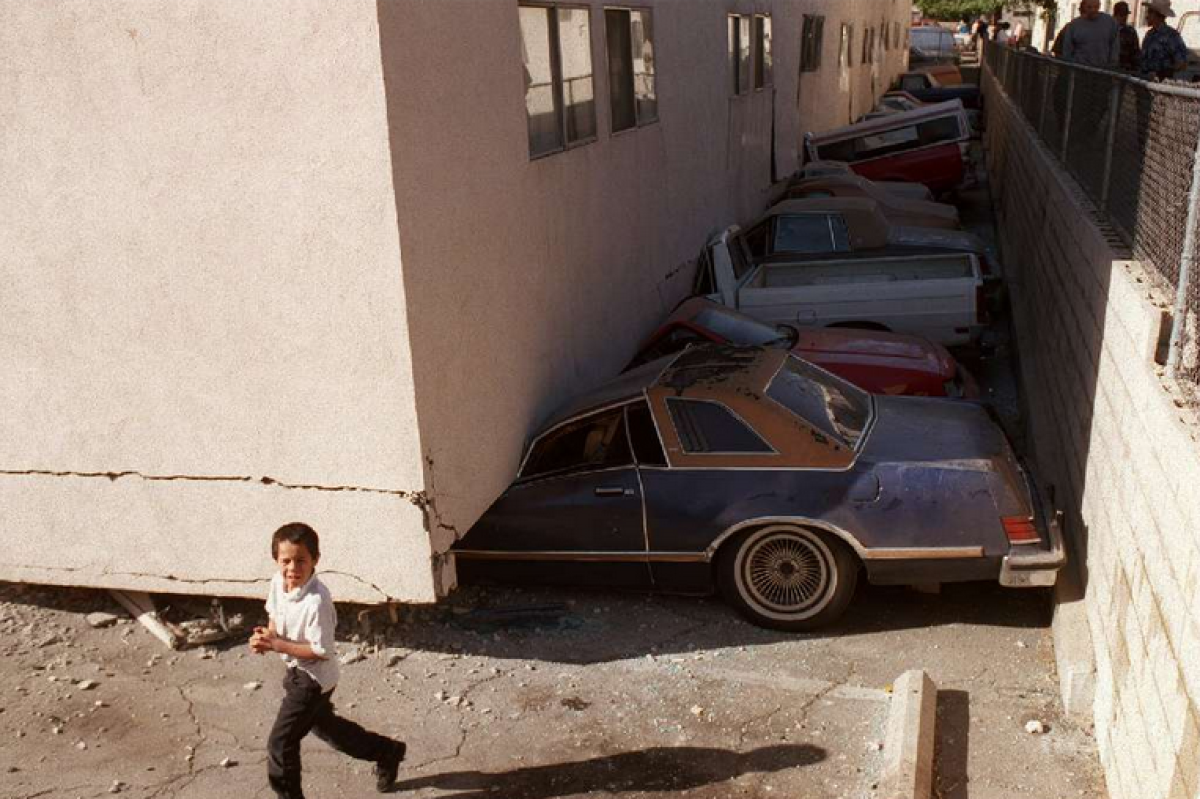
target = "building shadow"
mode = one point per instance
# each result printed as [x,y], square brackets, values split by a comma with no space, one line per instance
[953,745]
[654,769]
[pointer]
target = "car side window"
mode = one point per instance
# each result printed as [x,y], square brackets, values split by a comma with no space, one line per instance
[646,445]
[710,427]
[912,83]
[757,239]
[593,442]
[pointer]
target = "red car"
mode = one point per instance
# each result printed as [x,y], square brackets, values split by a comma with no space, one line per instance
[879,362]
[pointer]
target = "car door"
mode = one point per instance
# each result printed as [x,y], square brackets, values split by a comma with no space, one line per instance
[574,514]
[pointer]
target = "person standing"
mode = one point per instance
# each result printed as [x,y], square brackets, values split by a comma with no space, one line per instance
[1002,35]
[1163,51]
[1128,46]
[1091,38]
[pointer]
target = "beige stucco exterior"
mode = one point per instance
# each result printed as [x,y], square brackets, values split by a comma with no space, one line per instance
[278,261]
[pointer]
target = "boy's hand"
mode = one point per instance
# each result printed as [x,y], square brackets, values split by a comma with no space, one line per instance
[262,641]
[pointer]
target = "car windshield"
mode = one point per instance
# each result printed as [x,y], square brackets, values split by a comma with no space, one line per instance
[743,330]
[929,39]
[830,404]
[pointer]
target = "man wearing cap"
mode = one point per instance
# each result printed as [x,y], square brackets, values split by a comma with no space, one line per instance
[1163,50]
[1127,39]
[1091,38]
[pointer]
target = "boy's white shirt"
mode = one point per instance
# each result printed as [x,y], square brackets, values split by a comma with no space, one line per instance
[306,615]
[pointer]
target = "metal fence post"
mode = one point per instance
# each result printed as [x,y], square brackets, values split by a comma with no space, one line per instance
[1067,114]
[1186,262]
[1114,109]
[1041,122]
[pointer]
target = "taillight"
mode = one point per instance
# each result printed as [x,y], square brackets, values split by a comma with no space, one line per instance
[1020,530]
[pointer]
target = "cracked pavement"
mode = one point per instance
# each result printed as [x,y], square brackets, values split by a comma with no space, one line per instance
[547,693]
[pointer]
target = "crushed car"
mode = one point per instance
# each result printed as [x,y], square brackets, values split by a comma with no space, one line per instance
[755,473]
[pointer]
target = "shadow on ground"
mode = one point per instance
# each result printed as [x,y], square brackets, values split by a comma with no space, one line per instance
[655,769]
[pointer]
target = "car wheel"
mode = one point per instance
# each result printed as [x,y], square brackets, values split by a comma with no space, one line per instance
[787,578]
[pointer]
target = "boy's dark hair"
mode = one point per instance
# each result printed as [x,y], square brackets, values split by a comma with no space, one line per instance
[296,533]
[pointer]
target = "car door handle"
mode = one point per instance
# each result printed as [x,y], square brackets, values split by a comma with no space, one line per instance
[614,491]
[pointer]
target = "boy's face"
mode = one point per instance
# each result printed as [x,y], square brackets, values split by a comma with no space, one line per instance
[295,563]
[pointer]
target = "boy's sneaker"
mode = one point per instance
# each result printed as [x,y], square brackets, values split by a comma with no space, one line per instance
[387,769]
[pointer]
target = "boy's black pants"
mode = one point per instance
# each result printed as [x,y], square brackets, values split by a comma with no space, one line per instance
[306,708]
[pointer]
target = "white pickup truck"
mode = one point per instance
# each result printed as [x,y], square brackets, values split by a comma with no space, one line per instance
[938,296]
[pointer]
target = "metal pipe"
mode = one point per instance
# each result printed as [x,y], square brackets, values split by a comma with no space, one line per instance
[1186,261]
[1062,153]
[1114,109]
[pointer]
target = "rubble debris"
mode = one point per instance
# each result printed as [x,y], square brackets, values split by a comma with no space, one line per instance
[228,762]
[253,686]
[86,685]
[141,607]
[1035,727]
[353,656]
[101,619]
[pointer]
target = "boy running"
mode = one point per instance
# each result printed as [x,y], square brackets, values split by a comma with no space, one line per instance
[301,628]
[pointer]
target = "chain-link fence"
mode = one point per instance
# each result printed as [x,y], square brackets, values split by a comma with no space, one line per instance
[1132,147]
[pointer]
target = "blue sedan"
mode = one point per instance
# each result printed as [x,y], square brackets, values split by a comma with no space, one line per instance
[759,474]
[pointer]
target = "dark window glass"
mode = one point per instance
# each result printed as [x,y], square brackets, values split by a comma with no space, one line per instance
[732,53]
[811,233]
[758,239]
[646,445]
[709,427]
[620,69]
[705,280]
[595,442]
[762,52]
[556,52]
[826,402]
[812,35]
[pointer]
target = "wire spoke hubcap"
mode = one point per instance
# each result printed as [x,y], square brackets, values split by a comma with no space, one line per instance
[788,573]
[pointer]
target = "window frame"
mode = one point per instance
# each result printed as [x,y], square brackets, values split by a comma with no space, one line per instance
[738,32]
[556,76]
[638,121]
[812,42]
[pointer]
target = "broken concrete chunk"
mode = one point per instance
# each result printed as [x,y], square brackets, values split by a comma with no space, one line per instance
[353,656]
[99,620]
[252,686]
[228,762]
[87,685]
[1034,727]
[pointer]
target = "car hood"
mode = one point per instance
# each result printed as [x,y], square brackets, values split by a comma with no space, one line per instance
[834,344]
[919,429]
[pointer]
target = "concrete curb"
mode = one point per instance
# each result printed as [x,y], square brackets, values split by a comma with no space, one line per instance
[908,747]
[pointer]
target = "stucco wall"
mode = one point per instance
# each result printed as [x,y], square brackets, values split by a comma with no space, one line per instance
[532,280]
[201,281]
[1125,464]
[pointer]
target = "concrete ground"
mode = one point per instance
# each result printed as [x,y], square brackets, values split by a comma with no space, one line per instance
[548,693]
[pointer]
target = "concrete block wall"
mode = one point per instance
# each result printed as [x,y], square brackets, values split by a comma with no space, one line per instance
[1124,465]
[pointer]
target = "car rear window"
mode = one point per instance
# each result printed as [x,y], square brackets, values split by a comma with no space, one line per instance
[833,406]
[906,137]
[709,427]
[810,233]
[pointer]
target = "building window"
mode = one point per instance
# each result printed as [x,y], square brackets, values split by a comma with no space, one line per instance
[556,50]
[846,52]
[812,37]
[763,65]
[868,49]
[739,53]
[633,95]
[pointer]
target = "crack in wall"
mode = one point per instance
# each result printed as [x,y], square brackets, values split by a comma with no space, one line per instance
[413,496]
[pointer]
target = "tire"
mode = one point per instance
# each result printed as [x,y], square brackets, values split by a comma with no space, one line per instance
[787,578]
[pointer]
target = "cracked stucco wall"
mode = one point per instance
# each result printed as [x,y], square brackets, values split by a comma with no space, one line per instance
[203,320]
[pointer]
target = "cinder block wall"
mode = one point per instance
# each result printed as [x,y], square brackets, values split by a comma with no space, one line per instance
[1123,461]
